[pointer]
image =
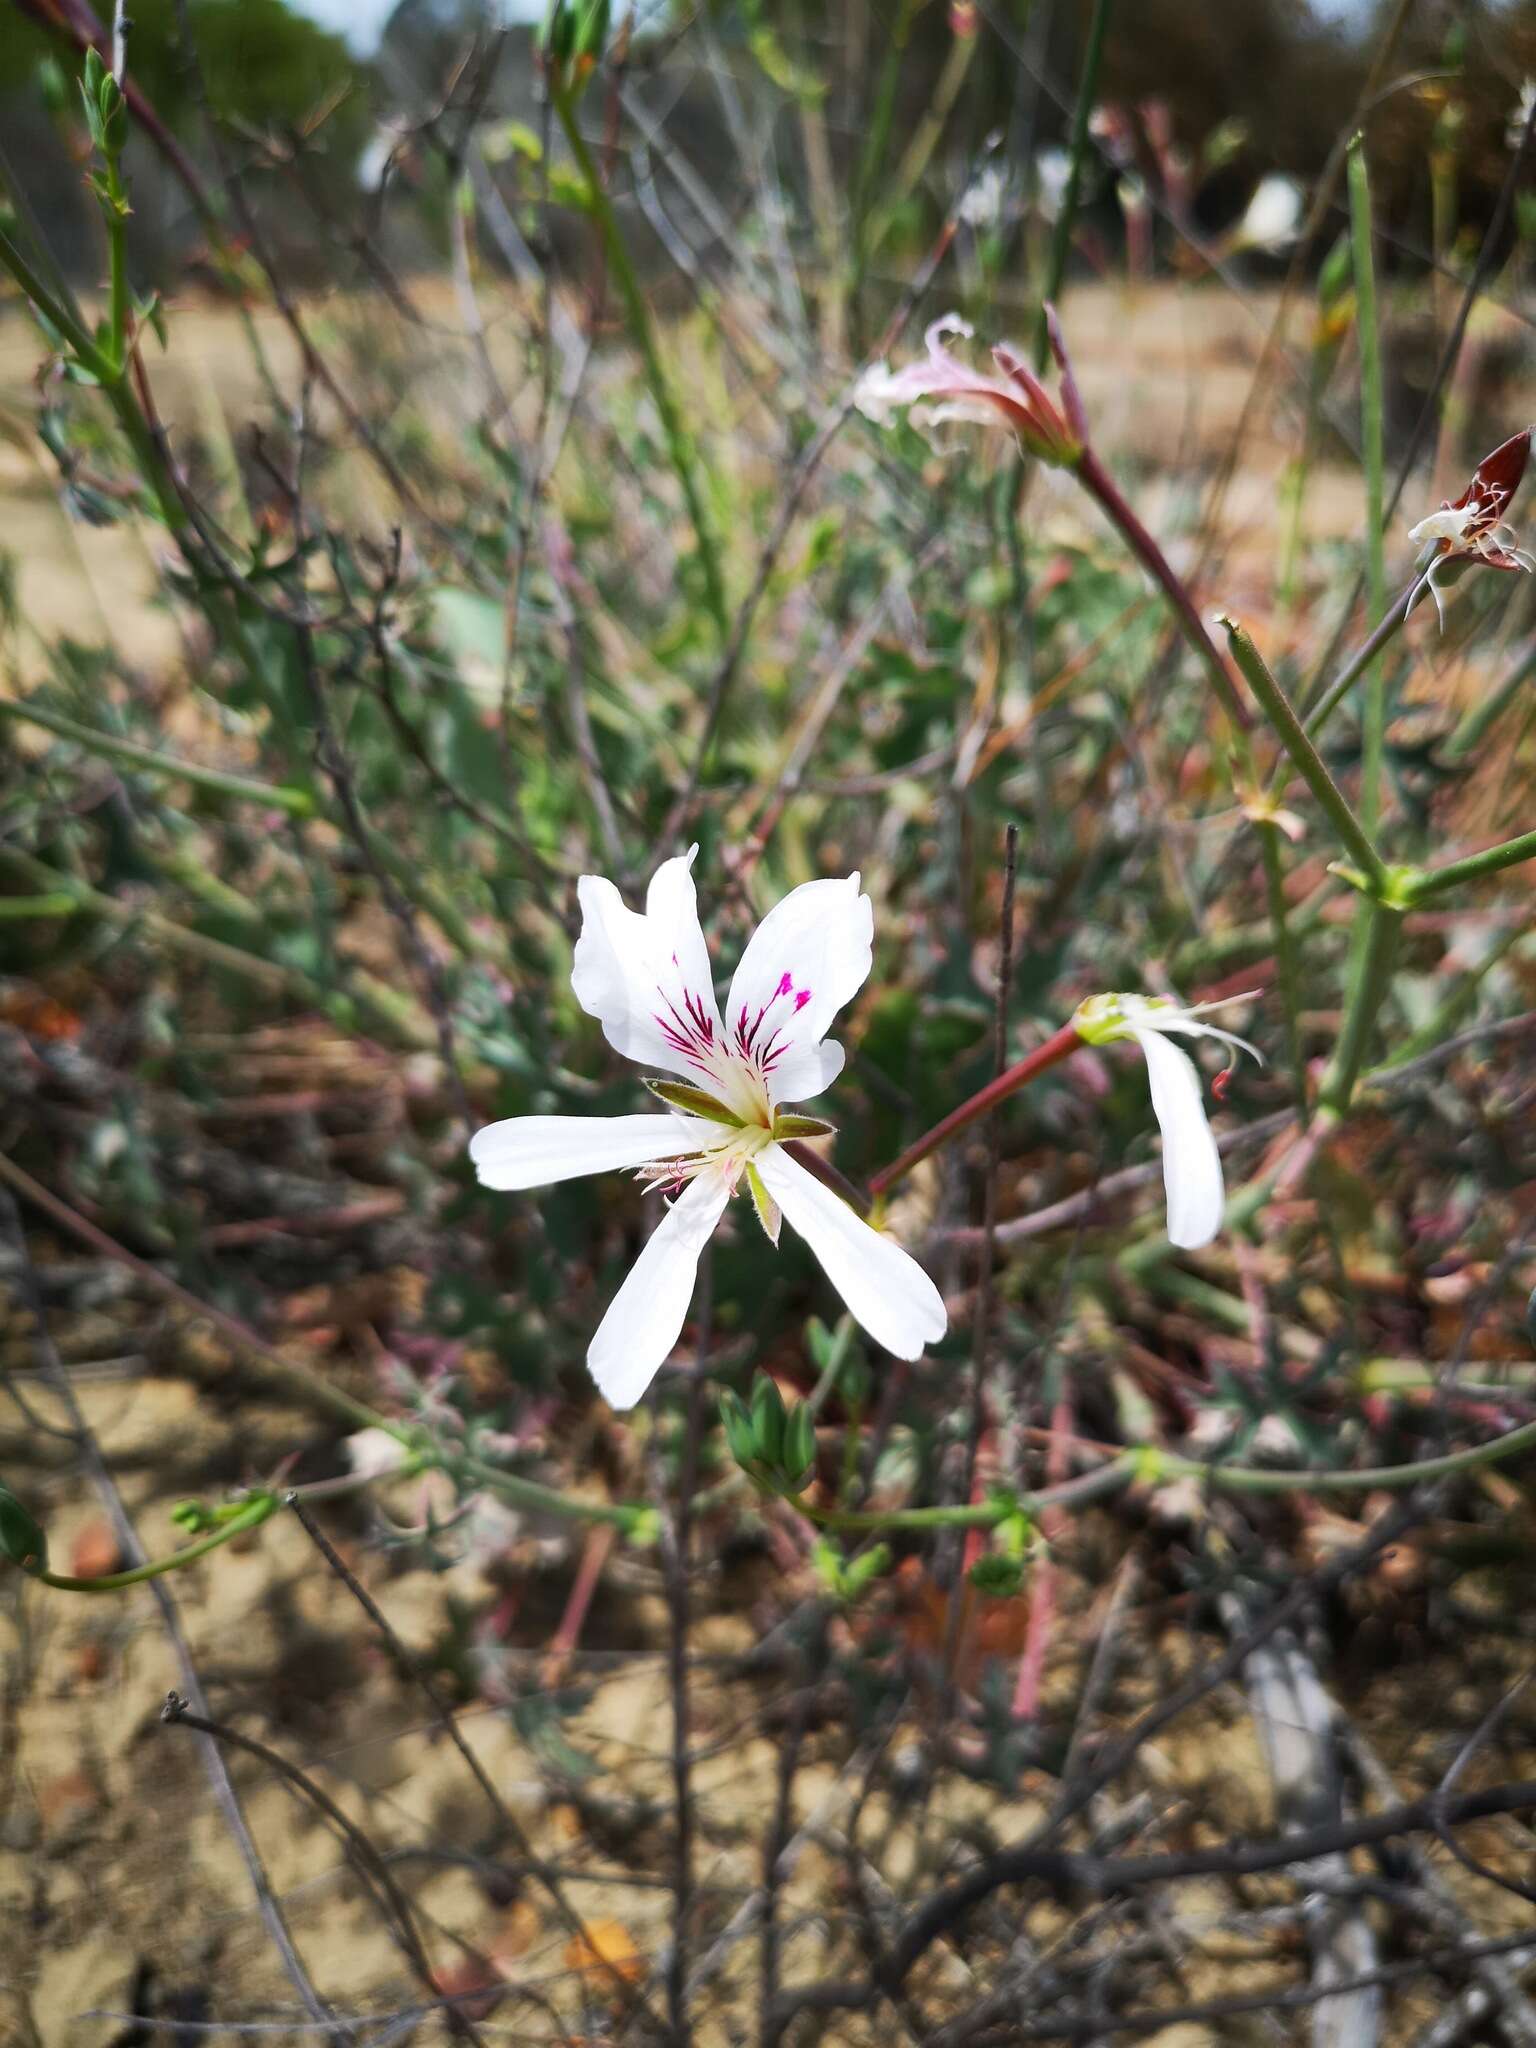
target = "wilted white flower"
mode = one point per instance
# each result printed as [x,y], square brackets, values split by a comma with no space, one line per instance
[1192,1176]
[1474,529]
[940,387]
[646,978]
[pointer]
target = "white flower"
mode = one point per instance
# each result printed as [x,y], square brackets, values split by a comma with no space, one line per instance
[1520,114]
[646,978]
[1273,216]
[1053,169]
[374,1452]
[981,203]
[1191,1164]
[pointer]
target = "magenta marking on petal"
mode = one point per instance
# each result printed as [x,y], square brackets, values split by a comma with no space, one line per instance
[785,986]
[801,998]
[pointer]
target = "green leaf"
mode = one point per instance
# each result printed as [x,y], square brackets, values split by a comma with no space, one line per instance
[697,1102]
[21,1537]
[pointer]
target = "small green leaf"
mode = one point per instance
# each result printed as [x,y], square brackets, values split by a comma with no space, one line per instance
[21,1537]
[997,1576]
[696,1101]
[787,1126]
[872,1565]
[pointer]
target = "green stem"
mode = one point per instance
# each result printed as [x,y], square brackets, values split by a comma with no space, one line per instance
[261,1508]
[297,802]
[1476,865]
[53,311]
[1391,624]
[14,909]
[528,1493]
[1370,977]
[1061,232]
[679,444]
[116,209]
[1151,1465]
[1371,412]
[1281,714]
[1286,962]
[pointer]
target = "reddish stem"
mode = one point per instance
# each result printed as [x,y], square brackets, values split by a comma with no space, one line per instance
[1055,1049]
[1097,481]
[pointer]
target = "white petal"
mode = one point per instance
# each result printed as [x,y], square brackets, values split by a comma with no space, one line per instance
[533,1151]
[646,978]
[808,957]
[1191,1163]
[646,1316]
[808,1070]
[885,1288]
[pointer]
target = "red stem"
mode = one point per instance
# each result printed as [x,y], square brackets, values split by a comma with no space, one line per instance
[1097,481]
[1054,1049]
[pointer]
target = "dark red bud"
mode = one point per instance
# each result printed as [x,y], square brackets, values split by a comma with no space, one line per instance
[1497,477]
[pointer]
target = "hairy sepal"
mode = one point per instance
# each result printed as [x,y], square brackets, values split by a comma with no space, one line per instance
[696,1102]
[769,1213]
[787,1125]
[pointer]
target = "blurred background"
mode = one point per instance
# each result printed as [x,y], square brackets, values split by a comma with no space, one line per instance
[483,503]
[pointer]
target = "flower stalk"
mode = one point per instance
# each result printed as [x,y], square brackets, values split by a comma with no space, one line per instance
[1431,882]
[1289,730]
[258,1509]
[1055,1049]
[1371,414]
[1371,966]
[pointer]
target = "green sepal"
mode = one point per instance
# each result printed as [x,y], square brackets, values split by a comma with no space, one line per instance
[799,1446]
[696,1101]
[21,1537]
[769,1213]
[768,1419]
[786,1125]
[739,1433]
